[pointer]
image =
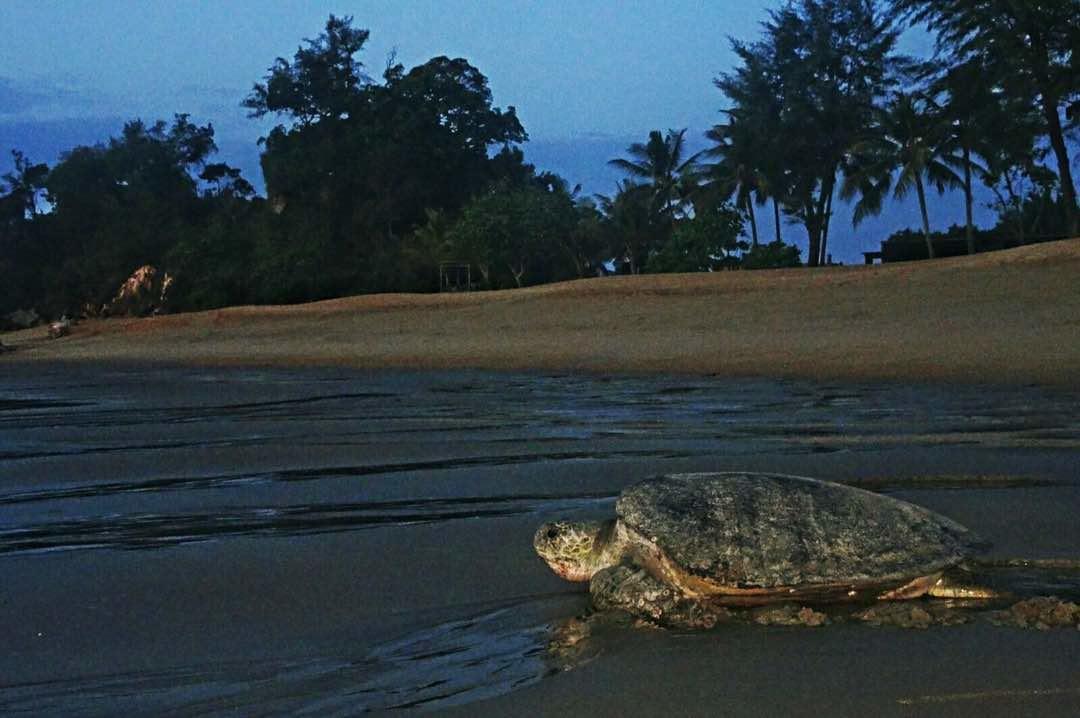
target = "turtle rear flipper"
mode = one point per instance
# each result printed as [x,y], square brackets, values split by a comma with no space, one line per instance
[954,584]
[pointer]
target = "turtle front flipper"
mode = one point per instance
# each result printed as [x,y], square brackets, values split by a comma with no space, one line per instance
[633,590]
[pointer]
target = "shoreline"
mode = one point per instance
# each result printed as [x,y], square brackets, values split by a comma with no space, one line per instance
[1009,317]
[187,541]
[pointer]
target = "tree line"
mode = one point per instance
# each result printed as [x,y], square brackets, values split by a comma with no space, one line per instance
[824,105]
[372,184]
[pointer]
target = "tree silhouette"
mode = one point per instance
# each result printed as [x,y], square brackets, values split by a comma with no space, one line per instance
[362,162]
[813,80]
[908,141]
[756,134]
[740,171]
[515,232]
[119,205]
[631,224]
[323,81]
[660,163]
[1028,48]
[966,112]
[22,188]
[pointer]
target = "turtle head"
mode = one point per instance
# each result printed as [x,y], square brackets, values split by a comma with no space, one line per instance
[576,551]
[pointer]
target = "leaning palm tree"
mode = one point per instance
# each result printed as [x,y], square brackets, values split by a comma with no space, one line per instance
[660,164]
[908,139]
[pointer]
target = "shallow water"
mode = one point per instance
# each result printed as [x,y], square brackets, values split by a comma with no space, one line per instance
[212,541]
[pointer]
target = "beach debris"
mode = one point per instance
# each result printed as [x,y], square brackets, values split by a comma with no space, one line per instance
[1041,613]
[905,614]
[20,319]
[144,293]
[788,614]
[685,548]
[60,328]
[569,643]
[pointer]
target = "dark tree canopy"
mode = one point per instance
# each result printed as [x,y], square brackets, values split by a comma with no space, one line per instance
[364,162]
[813,79]
[112,208]
[373,182]
[1028,49]
[21,189]
[323,81]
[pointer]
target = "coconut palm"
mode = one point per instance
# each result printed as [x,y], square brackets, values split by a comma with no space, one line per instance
[753,144]
[740,172]
[1028,49]
[909,140]
[810,85]
[966,113]
[660,164]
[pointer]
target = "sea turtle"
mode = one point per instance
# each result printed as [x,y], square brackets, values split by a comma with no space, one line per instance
[684,547]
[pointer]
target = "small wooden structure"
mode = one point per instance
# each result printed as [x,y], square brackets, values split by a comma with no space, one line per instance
[455,277]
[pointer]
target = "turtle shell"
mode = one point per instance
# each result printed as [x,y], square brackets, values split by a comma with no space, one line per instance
[769,531]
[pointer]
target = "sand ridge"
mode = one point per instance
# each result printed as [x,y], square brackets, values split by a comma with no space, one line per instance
[1010,316]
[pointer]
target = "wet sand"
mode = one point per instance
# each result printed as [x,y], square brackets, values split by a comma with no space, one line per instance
[179,540]
[1011,316]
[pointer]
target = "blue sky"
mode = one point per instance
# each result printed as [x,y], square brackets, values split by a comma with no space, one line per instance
[586,78]
[569,67]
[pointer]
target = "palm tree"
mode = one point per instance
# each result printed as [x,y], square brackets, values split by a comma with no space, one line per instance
[811,83]
[772,184]
[968,102]
[659,162]
[908,140]
[739,172]
[1028,49]
[755,135]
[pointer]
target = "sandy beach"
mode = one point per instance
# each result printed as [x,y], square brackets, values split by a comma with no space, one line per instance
[1011,316]
[328,509]
[201,541]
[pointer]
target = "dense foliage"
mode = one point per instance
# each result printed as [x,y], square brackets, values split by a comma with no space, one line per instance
[823,102]
[374,184]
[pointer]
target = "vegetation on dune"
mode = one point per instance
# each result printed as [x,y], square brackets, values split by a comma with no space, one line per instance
[373,184]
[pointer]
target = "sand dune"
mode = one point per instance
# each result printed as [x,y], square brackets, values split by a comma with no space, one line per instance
[1011,316]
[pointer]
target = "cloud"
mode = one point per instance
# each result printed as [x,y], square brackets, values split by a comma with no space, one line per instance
[40,98]
[16,98]
[57,97]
